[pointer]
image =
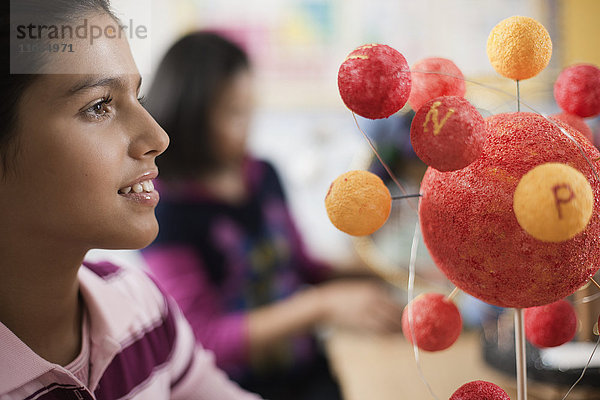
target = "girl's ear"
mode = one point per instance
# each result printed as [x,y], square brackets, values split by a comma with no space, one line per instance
[9,153]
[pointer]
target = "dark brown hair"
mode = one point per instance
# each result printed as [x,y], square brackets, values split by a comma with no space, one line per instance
[190,77]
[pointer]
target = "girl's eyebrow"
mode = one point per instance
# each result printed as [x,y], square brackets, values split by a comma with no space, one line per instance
[92,81]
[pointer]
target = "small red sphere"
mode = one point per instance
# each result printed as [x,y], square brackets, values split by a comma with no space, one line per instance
[577,90]
[436,322]
[434,77]
[374,81]
[576,122]
[550,325]
[447,133]
[479,390]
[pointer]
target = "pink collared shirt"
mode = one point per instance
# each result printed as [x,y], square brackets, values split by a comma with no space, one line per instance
[140,348]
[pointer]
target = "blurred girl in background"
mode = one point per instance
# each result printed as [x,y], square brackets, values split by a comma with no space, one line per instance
[228,250]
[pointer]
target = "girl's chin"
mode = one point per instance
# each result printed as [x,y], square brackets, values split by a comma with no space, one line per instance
[143,241]
[137,239]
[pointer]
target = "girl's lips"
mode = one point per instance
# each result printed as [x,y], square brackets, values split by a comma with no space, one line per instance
[143,183]
[149,199]
[140,187]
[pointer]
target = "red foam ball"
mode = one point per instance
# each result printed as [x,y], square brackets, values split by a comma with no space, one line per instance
[436,322]
[434,77]
[471,231]
[575,121]
[550,325]
[479,390]
[447,133]
[374,81]
[577,90]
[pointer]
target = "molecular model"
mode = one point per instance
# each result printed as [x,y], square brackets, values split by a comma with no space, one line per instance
[509,207]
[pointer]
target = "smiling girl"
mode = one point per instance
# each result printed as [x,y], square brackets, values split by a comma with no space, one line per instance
[77,160]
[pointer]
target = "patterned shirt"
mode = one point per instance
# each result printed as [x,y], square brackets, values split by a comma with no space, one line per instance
[141,347]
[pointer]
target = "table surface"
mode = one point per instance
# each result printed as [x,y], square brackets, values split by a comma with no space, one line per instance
[384,368]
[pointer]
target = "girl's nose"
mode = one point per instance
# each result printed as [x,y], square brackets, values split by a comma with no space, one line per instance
[150,139]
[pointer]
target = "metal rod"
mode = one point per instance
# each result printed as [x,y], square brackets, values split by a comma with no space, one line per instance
[520,355]
[518,97]
[385,166]
[595,283]
[406,196]
[585,369]
[453,294]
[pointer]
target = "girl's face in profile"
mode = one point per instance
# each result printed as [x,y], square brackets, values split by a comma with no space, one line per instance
[84,147]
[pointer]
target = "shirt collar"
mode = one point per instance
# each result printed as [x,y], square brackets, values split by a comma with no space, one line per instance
[101,301]
[20,364]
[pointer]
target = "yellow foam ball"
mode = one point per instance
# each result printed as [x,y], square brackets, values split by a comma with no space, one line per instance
[553,202]
[519,47]
[358,203]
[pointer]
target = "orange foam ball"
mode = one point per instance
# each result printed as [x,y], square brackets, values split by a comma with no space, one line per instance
[519,47]
[553,202]
[358,203]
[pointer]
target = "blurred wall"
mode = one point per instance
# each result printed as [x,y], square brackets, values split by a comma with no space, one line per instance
[580,31]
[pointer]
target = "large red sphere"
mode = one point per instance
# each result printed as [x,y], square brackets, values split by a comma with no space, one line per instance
[447,133]
[577,90]
[374,81]
[575,121]
[434,77]
[436,322]
[550,325]
[479,390]
[471,231]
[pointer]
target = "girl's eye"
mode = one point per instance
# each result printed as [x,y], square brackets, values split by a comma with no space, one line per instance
[99,110]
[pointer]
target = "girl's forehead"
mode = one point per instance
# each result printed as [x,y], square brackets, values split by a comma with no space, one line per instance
[103,54]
